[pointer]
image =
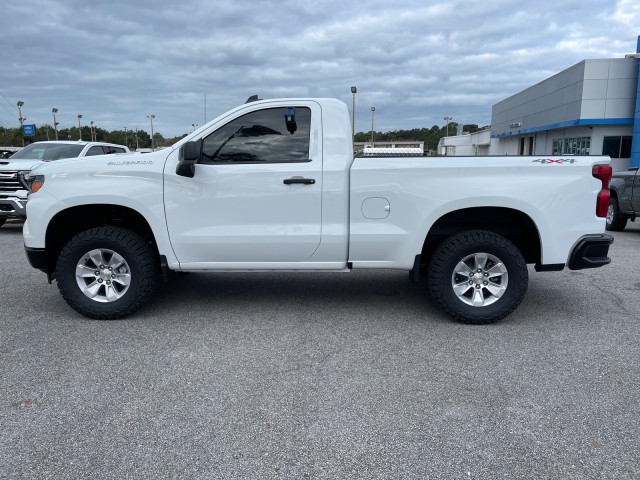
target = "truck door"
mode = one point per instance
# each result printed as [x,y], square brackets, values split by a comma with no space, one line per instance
[256,192]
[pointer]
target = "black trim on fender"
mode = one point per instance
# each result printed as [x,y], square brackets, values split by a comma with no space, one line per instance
[552,267]
[414,273]
[590,252]
[37,258]
[167,274]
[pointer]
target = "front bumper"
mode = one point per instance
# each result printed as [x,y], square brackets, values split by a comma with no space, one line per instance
[590,252]
[13,207]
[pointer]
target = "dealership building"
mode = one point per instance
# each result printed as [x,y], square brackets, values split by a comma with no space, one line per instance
[591,108]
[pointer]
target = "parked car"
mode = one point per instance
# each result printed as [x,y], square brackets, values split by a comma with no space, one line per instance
[13,170]
[625,199]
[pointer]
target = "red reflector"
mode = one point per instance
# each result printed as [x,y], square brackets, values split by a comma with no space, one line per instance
[602,173]
[602,204]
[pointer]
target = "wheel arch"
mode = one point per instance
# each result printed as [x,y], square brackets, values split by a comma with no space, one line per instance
[73,220]
[515,225]
[615,185]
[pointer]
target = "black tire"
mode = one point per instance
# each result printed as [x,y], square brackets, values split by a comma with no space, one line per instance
[616,220]
[139,269]
[508,283]
[2,220]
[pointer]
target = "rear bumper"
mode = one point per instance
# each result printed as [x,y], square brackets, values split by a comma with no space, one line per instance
[590,252]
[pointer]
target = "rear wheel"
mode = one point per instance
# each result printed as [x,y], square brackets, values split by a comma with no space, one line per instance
[107,273]
[616,220]
[478,277]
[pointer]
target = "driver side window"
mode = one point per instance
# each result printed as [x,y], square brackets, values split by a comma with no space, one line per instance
[274,135]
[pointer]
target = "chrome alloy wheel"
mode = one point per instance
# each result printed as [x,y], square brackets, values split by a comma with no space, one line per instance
[103,275]
[610,214]
[480,279]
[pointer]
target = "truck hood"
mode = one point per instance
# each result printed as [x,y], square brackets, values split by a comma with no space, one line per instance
[101,163]
[21,164]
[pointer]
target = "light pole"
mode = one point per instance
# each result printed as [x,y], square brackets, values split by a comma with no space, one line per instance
[354,90]
[137,142]
[373,111]
[151,117]
[194,126]
[55,123]
[448,119]
[79,127]
[125,136]
[91,130]
[20,104]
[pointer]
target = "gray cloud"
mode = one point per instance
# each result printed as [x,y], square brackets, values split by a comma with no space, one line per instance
[417,62]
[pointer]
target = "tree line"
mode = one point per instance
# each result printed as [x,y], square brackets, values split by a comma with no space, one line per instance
[12,137]
[430,136]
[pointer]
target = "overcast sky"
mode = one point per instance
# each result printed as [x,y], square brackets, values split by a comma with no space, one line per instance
[115,62]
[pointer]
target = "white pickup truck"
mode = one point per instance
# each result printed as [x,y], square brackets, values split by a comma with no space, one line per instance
[273,186]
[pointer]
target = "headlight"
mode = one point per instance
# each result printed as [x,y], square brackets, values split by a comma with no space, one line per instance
[35,183]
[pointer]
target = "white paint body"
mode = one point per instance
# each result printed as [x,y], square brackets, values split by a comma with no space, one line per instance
[372,212]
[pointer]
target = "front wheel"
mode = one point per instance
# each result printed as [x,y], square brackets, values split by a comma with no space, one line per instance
[107,273]
[477,277]
[2,220]
[616,221]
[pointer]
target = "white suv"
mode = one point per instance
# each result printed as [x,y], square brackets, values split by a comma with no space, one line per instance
[13,185]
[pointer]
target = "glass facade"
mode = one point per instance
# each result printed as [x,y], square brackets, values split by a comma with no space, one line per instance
[572,146]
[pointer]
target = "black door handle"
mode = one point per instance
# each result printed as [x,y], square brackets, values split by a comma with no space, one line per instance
[306,181]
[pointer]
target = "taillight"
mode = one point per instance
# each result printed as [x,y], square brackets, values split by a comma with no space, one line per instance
[602,173]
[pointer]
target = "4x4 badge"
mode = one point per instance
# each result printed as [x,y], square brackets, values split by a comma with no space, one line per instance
[544,161]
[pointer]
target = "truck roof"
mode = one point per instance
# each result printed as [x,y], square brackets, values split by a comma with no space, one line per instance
[76,142]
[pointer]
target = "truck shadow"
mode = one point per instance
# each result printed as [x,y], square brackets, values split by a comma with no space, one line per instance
[291,286]
[370,293]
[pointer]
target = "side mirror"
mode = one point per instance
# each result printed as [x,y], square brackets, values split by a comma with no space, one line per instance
[188,157]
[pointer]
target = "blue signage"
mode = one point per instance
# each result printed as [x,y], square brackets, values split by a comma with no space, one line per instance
[29,130]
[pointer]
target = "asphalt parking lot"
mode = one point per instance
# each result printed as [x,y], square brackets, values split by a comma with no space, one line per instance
[327,376]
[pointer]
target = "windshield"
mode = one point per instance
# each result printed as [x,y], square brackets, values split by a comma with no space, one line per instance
[49,151]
